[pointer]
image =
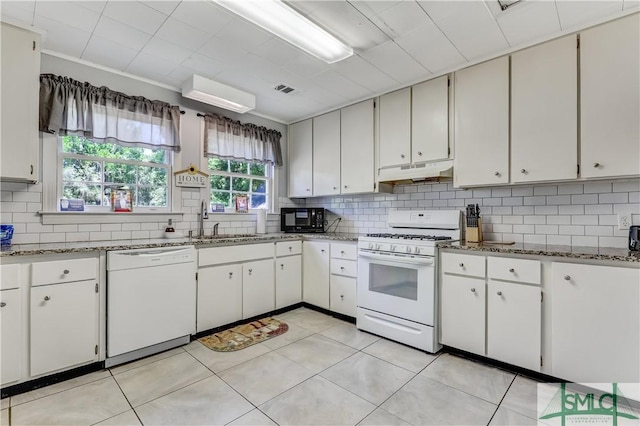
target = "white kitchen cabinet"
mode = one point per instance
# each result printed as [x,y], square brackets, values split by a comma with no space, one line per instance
[544,113]
[301,159]
[258,288]
[20,88]
[482,124]
[326,146]
[357,166]
[343,295]
[610,99]
[63,328]
[395,128]
[595,332]
[514,323]
[463,313]
[219,296]
[288,281]
[10,327]
[430,120]
[315,273]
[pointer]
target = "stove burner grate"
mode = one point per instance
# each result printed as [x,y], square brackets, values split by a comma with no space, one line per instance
[410,237]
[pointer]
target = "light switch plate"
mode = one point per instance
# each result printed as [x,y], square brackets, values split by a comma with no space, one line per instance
[624,220]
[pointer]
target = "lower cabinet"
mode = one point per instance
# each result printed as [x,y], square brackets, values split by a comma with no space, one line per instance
[63,330]
[288,281]
[258,288]
[595,332]
[463,313]
[10,324]
[219,296]
[315,273]
[343,295]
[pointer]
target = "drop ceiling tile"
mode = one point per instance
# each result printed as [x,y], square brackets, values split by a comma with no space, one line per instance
[241,34]
[325,97]
[18,11]
[203,65]
[68,14]
[204,15]
[306,66]
[528,21]
[166,50]
[182,34]
[339,84]
[469,26]
[135,14]
[373,8]
[631,4]
[182,73]
[400,19]
[431,48]
[150,66]
[95,5]
[367,75]
[278,51]
[397,63]
[61,38]
[221,50]
[120,33]
[580,13]
[163,6]
[108,53]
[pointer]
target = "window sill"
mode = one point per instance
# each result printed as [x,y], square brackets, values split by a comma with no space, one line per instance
[64,218]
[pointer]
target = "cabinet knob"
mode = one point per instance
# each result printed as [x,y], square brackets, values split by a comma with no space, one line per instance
[250,271]
[322,251]
[523,171]
[47,298]
[401,155]
[308,189]
[499,293]
[335,187]
[512,270]
[345,187]
[496,174]
[596,165]
[2,304]
[473,290]
[282,266]
[461,265]
[342,297]
[290,248]
[342,252]
[230,275]
[65,272]
[342,268]
[567,277]
[420,153]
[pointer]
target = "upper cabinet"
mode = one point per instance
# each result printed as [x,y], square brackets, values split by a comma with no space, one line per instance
[326,145]
[430,120]
[544,113]
[610,99]
[357,148]
[482,124]
[301,159]
[395,128]
[20,88]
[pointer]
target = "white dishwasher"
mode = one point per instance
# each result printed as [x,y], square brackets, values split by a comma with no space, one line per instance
[151,301]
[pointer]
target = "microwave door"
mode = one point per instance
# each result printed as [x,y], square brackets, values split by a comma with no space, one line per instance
[290,219]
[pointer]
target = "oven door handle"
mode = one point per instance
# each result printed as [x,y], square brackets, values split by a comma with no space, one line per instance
[397,258]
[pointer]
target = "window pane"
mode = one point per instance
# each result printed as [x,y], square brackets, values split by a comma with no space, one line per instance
[258,201]
[87,192]
[154,176]
[238,167]
[154,197]
[78,145]
[240,184]
[221,197]
[119,173]
[257,169]
[218,164]
[258,185]
[220,182]
[81,170]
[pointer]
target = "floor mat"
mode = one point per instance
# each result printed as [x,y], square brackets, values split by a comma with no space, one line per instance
[244,335]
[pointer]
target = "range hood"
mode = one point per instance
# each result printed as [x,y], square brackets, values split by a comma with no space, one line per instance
[436,171]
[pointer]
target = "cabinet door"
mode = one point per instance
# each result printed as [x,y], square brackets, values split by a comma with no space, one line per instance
[482,124]
[430,120]
[544,112]
[395,128]
[10,343]
[219,296]
[326,146]
[300,159]
[258,288]
[315,273]
[343,295]
[463,313]
[357,166]
[513,323]
[20,88]
[610,99]
[64,321]
[288,281]
[595,329]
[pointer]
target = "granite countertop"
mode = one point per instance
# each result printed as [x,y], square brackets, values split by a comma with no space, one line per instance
[571,252]
[90,246]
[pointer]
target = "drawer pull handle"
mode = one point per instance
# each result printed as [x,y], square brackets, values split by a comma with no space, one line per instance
[230,275]
[567,277]
[512,270]
[461,265]
[47,298]
[596,165]
[497,174]
[499,293]
[65,272]
[473,290]
[2,304]
[282,266]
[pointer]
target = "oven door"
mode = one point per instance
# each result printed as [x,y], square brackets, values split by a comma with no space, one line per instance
[401,286]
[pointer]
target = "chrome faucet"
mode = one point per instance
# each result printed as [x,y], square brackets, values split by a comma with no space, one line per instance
[201,217]
[214,231]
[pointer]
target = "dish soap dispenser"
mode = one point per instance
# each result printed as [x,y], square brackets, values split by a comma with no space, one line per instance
[169,231]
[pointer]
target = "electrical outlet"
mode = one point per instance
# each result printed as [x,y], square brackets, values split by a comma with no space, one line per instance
[624,220]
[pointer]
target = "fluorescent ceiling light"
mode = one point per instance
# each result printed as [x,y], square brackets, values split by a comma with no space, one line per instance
[211,92]
[284,22]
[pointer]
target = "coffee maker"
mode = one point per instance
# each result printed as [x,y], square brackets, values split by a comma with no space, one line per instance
[634,238]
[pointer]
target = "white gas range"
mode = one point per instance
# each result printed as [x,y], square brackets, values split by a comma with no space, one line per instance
[397,276]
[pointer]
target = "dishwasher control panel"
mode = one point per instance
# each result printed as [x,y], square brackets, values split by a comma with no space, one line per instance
[143,258]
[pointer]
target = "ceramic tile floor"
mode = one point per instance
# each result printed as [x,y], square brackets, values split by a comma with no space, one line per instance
[323,371]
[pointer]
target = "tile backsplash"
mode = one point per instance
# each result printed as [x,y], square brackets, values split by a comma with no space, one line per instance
[578,214]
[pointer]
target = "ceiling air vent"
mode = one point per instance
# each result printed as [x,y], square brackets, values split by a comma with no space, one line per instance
[284,88]
[505,4]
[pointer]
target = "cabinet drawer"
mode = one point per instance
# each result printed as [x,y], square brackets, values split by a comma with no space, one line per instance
[463,264]
[233,254]
[343,295]
[286,248]
[518,270]
[62,271]
[9,277]
[344,251]
[347,268]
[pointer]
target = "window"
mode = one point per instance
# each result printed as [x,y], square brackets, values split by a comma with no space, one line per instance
[91,171]
[230,178]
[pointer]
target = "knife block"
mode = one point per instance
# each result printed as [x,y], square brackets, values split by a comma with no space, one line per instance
[473,234]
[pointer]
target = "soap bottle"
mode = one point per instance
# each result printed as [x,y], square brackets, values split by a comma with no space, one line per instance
[169,231]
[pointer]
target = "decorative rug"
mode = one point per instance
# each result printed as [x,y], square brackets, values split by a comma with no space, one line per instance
[244,335]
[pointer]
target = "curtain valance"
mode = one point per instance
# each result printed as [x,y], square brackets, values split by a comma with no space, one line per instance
[71,107]
[230,139]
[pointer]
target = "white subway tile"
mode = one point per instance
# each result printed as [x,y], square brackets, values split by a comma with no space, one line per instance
[89,227]
[501,192]
[32,228]
[617,208]
[535,201]
[492,202]
[608,219]
[34,207]
[575,209]
[570,188]
[547,209]
[597,187]
[53,237]
[130,226]
[424,188]
[547,229]
[99,236]
[584,241]
[615,242]
[598,209]
[584,199]
[25,238]
[151,226]
[535,220]
[14,207]
[19,227]
[632,186]
[447,195]
[523,210]
[584,220]
[501,210]
[6,196]
[512,201]
[410,189]
[139,235]
[76,236]
[6,217]
[105,227]
[65,228]
[13,186]
[524,229]
[635,219]
[524,191]
[455,203]
[634,197]
[498,227]
[401,197]
[493,236]
[559,220]
[535,239]
[512,220]
[481,193]
[571,230]
[121,235]
[545,190]
[424,203]
[417,196]
[601,231]
[439,187]
[558,200]
[440,203]
[35,187]
[614,198]
[559,240]
[25,217]
[28,197]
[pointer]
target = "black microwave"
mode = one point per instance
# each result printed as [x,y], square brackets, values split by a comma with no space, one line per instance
[302,219]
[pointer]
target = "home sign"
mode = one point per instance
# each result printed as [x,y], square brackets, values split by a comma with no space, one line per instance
[191,178]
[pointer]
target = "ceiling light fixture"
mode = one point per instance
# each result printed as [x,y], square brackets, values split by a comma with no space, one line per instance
[284,22]
[211,92]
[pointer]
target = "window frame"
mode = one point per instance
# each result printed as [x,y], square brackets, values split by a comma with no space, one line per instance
[269,178]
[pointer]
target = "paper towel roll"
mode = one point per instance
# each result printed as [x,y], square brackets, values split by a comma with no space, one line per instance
[261,221]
